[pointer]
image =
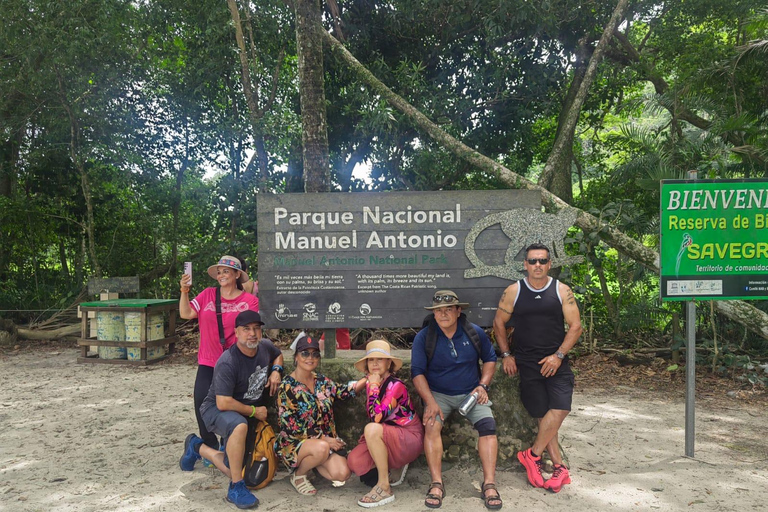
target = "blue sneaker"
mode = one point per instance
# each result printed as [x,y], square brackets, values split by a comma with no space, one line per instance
[240,496]
[191,446]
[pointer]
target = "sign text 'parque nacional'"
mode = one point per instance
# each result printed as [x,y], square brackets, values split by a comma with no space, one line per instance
[714,239]
[375,259]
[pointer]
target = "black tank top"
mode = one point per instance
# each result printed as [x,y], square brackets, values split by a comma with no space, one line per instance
[538,320]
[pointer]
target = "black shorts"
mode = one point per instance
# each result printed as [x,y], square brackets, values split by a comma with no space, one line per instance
[540,394]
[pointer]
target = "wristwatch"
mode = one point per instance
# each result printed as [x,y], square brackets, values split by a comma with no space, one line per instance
[505,354]
[559,355]
[485,387]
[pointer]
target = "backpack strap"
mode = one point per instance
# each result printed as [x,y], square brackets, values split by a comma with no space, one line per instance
[471,333]
[222,339]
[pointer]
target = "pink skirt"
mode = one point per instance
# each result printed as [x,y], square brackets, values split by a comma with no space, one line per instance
[404,445]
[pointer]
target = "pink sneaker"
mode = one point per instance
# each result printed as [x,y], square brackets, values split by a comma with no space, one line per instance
[532,467]
[560,477]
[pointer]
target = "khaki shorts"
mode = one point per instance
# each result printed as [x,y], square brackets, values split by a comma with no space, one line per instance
[450,403]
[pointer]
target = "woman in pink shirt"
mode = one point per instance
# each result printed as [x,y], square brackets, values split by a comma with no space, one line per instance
[233,299]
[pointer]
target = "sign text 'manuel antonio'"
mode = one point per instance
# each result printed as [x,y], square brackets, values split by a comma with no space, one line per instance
[291,240]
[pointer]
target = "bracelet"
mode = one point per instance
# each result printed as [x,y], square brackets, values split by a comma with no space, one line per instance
[277,368]
[185,289]
[253,411]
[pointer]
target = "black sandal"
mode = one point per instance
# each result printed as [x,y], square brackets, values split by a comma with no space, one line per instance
[432,496]
[489,499]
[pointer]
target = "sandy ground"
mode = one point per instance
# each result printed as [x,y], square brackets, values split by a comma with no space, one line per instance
[103,437]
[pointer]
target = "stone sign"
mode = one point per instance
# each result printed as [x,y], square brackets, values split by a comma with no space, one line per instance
[375,259]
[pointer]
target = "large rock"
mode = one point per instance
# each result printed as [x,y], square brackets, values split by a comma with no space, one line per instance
[515,428]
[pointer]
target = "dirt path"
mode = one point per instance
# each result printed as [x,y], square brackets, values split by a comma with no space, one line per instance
[101,437]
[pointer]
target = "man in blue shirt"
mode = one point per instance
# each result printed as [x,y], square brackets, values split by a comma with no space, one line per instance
[445,369]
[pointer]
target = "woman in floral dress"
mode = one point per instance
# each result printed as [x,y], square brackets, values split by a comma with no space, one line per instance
[307,438]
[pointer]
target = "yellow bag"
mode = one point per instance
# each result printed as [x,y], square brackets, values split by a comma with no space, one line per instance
[260,461]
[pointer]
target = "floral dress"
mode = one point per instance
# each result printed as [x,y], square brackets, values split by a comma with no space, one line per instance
[303,414]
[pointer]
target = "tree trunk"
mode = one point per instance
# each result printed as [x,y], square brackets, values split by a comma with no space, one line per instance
[738,311]
[607,297]
[314,134]
[85,185]
[251,92]
[53,334]
[556,175]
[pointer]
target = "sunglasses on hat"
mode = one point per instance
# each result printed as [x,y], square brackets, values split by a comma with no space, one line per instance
[447,299]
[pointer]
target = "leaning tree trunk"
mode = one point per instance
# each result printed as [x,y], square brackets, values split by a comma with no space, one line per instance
[251,91]
[738,311]
[314,132]
[556,175]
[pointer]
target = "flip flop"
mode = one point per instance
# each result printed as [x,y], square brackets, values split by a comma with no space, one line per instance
[432,496]
[488,499]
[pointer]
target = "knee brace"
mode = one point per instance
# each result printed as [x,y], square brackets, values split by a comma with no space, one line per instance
[485,427]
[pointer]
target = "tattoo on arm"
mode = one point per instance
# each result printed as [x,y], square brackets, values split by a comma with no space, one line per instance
[569,298]
[504,310]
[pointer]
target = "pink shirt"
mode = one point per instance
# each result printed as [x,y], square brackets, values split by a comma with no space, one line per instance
[205,305]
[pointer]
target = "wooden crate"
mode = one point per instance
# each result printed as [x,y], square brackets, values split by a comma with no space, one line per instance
[146,308]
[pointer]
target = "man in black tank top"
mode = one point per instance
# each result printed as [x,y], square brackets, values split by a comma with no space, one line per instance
[540,306]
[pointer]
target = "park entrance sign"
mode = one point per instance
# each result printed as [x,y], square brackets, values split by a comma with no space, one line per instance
[714,239]
[375,259]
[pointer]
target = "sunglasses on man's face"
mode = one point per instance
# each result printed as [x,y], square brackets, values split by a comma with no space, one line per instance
[306,354]
[437,299]
[540,261]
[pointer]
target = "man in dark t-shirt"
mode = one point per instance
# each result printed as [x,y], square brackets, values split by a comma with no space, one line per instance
[540,306]
[244,378]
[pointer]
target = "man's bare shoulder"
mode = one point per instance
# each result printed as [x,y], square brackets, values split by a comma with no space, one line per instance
[567,294]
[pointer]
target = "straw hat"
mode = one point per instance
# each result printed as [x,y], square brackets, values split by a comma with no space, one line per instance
[380,349]
[231,262]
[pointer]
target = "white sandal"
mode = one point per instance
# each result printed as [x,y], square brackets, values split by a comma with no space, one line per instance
[400,480]
[377,497]
[302,484]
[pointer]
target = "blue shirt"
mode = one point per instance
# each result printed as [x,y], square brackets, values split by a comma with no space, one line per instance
[447,374]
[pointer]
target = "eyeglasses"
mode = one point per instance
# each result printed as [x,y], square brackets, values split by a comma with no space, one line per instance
[453,349]
[540,261]
[306,354]
[437,299]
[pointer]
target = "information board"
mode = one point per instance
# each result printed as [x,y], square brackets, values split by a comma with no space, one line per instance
[714,239]
[376,259]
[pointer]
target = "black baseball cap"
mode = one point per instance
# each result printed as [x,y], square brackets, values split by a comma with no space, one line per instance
[305,342]
[248,317]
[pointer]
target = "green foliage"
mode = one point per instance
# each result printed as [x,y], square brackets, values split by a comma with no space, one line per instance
[138,109]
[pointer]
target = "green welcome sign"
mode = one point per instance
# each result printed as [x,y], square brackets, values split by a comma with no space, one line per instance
[714,239]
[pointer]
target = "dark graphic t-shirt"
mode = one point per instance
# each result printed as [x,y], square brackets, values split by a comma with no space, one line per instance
[242,377]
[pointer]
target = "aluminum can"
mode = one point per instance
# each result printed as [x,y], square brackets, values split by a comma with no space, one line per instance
[469,402]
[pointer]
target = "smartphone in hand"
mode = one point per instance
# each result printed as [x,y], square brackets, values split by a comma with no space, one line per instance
[188,270]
